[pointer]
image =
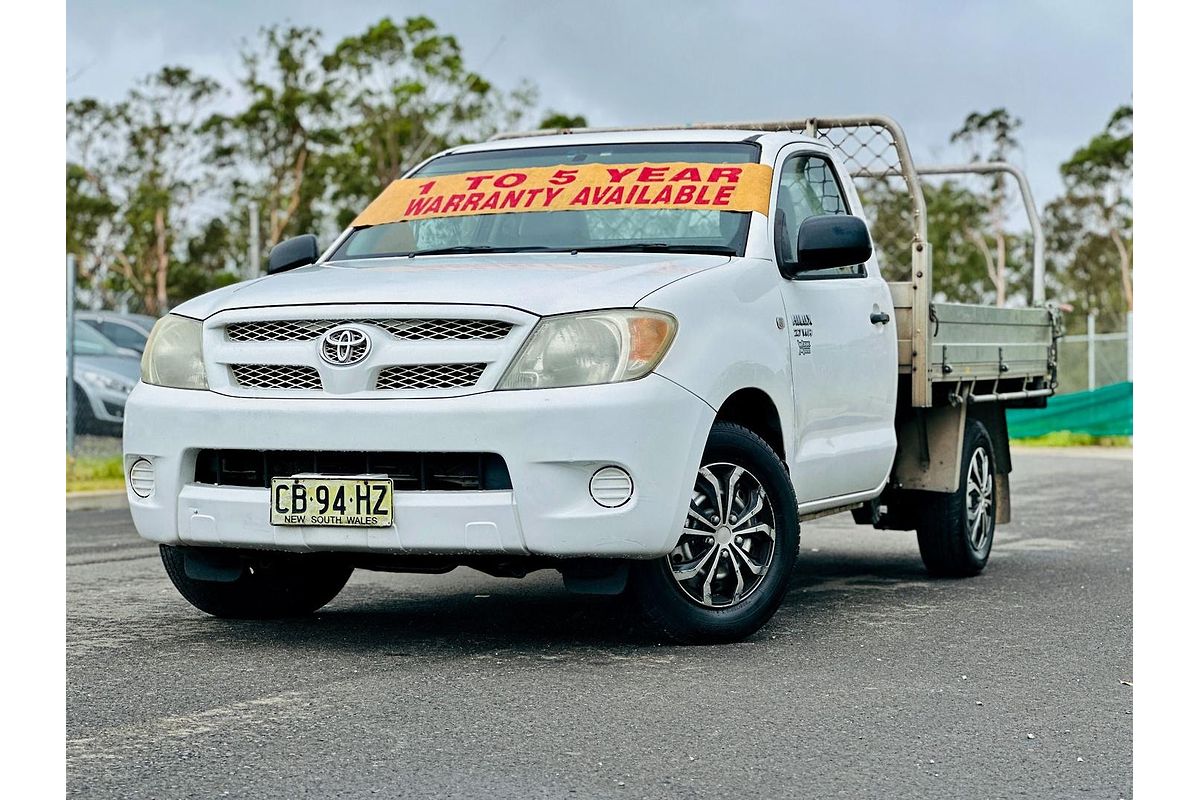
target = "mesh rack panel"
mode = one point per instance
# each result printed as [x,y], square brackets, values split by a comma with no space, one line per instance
[869,151]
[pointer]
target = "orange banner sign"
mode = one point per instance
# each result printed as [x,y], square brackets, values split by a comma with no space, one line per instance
[696,187]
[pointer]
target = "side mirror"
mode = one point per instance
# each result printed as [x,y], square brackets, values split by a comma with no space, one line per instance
[298,251]
[832,240]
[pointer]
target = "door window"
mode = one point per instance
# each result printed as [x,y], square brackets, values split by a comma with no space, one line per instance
[124,336]
[808,187]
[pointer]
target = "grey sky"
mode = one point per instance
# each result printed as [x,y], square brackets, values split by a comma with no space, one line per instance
[1062,66]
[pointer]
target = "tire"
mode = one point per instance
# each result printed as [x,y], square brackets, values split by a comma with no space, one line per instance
[718,597]
[955,531]
[269,586]
[85,419]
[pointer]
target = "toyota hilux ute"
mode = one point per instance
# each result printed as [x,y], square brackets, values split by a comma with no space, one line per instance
[640,357]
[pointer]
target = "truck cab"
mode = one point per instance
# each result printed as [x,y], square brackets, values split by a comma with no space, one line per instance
[639,357]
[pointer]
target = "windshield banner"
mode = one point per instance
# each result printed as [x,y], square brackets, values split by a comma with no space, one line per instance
[695,187]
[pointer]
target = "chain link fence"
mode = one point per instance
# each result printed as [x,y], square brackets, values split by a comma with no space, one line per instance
[1089,362]
[89,446]
[872,158]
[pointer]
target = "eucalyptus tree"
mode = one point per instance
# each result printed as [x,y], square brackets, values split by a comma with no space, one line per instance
[954,213]
[1090,228]
[141,166]
[166,187]
[91,209]
[275,147]
[991,136]
[403,91]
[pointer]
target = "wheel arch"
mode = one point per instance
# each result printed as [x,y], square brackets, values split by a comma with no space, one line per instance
[753,408]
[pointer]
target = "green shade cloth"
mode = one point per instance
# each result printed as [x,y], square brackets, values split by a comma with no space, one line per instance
[1106,411]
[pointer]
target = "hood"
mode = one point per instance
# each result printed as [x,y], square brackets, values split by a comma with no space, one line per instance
[126,367]
[540,283]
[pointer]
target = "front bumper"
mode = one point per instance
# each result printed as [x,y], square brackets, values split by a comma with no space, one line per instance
[106,405]
[553,441]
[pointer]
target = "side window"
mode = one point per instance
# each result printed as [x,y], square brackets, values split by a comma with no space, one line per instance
[123,336]
[808,187]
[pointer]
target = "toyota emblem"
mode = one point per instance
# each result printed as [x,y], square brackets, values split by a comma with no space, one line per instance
[345,345]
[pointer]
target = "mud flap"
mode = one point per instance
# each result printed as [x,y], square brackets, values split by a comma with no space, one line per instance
[209,565]
[608,579]
[1003,499]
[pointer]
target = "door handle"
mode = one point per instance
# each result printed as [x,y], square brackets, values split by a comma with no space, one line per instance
[880,318]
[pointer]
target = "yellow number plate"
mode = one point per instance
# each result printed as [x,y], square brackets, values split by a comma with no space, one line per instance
[338,502]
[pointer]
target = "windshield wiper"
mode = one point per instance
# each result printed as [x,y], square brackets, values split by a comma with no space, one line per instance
[659,247]
[474,248]
[634,247]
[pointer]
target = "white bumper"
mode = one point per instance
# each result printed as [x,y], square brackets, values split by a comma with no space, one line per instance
[553,441]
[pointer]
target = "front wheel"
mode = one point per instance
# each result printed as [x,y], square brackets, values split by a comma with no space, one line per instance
[254,585]
[729,570]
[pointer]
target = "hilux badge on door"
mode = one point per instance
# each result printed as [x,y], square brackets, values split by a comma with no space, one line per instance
[343,346]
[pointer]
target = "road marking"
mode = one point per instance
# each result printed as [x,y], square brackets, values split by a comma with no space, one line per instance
[116,742]
[864,583]
[1036,544]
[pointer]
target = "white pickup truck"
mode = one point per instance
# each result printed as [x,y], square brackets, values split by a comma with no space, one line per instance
[639,357]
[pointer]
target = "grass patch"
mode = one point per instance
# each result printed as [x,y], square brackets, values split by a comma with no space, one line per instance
[1070,439]
[95,474]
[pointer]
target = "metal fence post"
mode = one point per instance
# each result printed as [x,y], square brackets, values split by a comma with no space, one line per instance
[254,268]
[71,355]
[1129,346]
[1091,350]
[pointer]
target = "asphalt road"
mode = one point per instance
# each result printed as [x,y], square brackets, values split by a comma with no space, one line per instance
[872,680]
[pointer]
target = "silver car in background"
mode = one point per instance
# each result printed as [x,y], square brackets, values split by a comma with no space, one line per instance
[105,374]
[126,331]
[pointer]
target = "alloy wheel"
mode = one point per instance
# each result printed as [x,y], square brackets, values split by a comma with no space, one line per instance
[728,539]
[980,498]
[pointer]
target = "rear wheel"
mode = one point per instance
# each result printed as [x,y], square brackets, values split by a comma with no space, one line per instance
[254,585]
[955,530]
[729,570]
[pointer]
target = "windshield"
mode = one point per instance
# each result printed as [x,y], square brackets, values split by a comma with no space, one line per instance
[90,342]
[594,229]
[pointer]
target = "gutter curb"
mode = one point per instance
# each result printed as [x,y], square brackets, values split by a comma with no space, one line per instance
[1081,451]
[97,500]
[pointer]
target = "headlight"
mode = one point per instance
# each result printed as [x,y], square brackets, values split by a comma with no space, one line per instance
[104,381]
[173,356]
[590,348]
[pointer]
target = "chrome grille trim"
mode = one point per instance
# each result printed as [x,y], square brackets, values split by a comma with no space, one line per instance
[292,335]
[414,329]
[429,376]
[276,376]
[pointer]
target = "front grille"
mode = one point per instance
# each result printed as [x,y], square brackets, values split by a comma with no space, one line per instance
[430,376]
[276,376]
[302,330]
[408,471]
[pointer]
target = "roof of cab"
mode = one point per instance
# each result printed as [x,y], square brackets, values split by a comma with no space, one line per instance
[615,136]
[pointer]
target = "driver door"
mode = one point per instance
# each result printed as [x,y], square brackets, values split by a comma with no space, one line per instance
[844,371]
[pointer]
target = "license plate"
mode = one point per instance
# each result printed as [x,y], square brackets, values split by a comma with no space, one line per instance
[356,502]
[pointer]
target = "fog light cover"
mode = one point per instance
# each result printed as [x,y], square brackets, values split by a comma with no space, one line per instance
[611,487]
[141,477]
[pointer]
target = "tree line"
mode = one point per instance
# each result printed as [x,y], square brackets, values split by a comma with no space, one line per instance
[167,186]
[982,248]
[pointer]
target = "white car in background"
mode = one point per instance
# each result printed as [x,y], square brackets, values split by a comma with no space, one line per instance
[104,376]
[127,331]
